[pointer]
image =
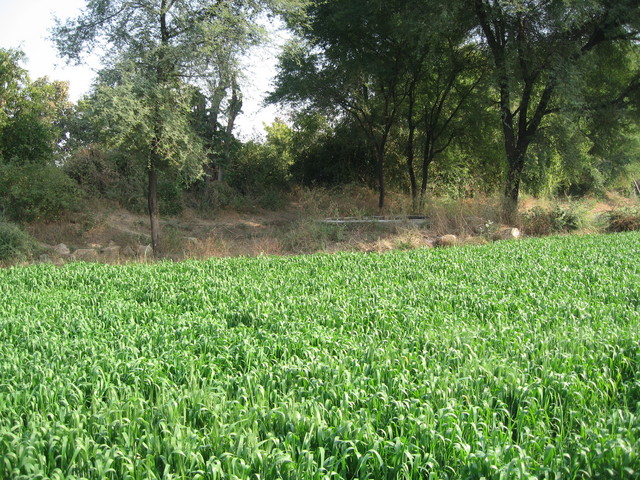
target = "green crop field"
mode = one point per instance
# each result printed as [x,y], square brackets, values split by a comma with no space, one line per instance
[514,360]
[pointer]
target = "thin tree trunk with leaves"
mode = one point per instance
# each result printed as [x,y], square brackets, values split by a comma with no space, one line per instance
[411,124]
[235,107]
[156,156]
[154,211]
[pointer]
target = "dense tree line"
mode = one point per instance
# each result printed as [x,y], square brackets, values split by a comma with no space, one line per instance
[424,96]
[427,71]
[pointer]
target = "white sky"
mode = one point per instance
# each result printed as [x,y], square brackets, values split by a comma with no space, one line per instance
[26,25]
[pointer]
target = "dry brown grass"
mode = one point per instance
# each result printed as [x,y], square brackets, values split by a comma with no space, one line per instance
[297,228]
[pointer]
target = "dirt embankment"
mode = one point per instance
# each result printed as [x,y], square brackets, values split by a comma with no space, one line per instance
[107,233]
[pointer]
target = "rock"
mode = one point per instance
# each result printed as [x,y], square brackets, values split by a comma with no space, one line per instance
[112,252]
[62,249]
[128,252]
[145,251]
[44,258]
[446,241]
[86,255]
[507,233]
[191,240]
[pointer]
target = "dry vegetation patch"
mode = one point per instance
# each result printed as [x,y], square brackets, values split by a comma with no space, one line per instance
[298,227]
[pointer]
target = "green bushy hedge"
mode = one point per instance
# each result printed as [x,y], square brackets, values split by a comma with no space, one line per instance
[35,192]
[15,244]
[558,219]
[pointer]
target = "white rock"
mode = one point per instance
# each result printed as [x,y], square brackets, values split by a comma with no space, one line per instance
[507,233]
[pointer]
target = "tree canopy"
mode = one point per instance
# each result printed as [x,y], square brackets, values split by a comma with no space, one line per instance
[541,51]
[154,51]
[430,97]
[416,70]
[31,113]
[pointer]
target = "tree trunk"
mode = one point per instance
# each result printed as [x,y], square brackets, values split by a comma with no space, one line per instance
[216,100]
[161,71]
[512,185]
[235,107]
[410,147]
[154,215]
[380,165]
[412,173]
[426,162]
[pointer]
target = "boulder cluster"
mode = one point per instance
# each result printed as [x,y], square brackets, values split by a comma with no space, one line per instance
[61,253]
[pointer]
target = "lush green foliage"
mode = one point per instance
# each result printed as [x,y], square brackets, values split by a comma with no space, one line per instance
[35,192]
[14,243]
[540,221]
[31,113]
[563,76]
[31,129]
[517,360]
[262,170]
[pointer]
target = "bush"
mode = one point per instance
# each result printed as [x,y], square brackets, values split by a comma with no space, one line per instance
[210,197]
[308,236]
[565,219]
[539,221]
[118,177]
[170,196]
[14,243]
[93,170]
[258,170]
[35,192]
[624,220]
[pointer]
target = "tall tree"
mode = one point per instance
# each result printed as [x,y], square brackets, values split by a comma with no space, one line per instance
[349,58]
[32,128]
[158,46]
[383,63]
[537,48]
[441,83]
[31,113]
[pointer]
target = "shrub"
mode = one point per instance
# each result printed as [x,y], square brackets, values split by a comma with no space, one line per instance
[311,236]
[93,170]
[35,192]
[538,221]
[209,197]
[258,169]
[14,243]
[565,219]
[624,220]
[170,196]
